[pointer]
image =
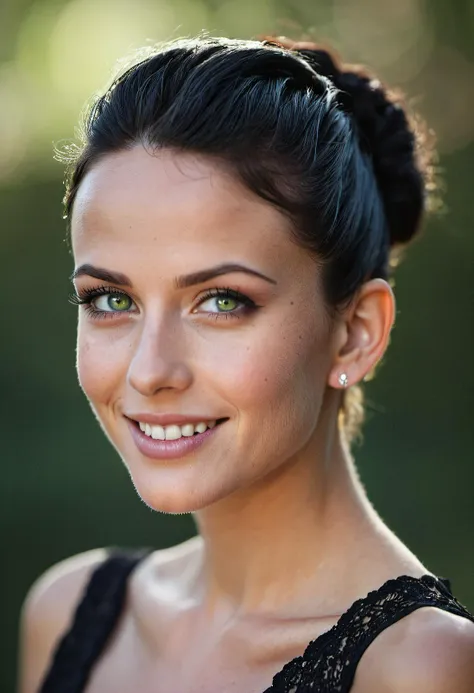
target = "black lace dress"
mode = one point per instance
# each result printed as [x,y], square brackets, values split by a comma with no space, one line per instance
[328,664]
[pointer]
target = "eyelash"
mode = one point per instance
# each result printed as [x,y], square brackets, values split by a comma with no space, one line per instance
[86,297]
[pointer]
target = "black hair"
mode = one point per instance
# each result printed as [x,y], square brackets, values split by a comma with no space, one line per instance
[322,142]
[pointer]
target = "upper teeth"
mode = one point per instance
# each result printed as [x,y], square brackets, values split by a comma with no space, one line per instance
[174,432]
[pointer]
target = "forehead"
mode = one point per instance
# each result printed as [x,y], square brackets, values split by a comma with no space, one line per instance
[155,217]
[171,198]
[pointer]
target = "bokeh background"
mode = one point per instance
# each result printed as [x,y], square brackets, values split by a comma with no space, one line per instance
[63,489]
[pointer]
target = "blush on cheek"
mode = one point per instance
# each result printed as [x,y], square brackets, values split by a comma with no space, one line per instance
[264,374]
[281,377]
[96,370]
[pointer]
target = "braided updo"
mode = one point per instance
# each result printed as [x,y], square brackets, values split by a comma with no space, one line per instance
[324,143]
[401,159]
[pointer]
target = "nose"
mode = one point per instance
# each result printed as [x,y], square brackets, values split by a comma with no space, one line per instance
[159,360]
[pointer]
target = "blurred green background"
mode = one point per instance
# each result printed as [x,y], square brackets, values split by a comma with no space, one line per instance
[63,488]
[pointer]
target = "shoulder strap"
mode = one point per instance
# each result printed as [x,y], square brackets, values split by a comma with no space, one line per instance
[94,619]
[401,597]
[329,663]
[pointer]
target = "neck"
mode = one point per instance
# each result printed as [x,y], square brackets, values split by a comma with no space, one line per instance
[272,547]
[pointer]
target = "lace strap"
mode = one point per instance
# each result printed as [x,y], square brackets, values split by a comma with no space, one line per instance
[329,663]
[94,619]
[400,601]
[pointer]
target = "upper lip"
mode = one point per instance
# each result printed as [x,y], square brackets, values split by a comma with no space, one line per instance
[169,419]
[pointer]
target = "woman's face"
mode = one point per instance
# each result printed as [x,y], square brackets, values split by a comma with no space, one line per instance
[192,347]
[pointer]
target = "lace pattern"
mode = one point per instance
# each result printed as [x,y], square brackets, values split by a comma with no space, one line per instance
[329,663]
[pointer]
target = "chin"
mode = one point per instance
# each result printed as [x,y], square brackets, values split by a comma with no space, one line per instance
[177,498]
[171,505]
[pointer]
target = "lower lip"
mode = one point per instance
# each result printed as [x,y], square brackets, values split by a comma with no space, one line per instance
[168,449]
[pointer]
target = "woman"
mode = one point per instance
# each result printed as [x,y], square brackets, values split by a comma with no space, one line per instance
[233,212]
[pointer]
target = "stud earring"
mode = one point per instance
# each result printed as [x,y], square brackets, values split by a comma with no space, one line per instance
[343,380]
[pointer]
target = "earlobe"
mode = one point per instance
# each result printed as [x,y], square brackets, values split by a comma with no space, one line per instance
[368,323]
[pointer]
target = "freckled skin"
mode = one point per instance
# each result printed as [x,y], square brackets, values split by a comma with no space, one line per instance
[267,371]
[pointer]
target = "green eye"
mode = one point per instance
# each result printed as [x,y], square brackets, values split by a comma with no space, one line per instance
[112,302]
[226,303]
[102,301]
[119,302]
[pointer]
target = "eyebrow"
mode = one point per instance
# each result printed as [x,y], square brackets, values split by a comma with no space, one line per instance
[182,282]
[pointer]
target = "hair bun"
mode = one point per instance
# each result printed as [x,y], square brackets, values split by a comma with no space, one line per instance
[384,133]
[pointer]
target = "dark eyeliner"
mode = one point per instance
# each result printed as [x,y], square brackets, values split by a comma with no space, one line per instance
[227,292]
[85,296]
[247,306]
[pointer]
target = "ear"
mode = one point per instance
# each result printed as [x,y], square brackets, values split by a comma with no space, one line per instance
[363,334]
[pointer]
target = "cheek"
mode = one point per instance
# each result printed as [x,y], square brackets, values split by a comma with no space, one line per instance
[275,384]
[98,365]
[280,367]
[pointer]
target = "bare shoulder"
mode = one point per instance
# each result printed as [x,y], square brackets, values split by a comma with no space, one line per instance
[47,611]
[429,651]
[51,601]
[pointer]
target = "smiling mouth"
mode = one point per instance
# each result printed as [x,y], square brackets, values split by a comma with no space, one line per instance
[177,445]
[174,431]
